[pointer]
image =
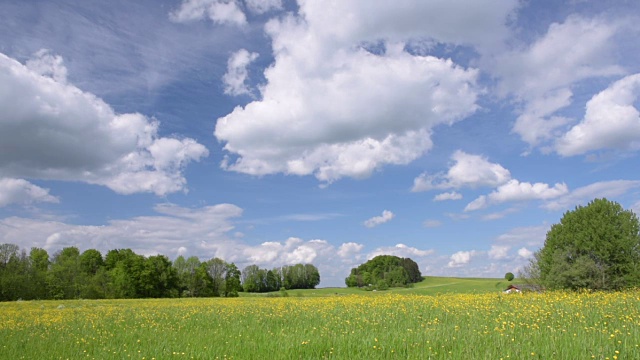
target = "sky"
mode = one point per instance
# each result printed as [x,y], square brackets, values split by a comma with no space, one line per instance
[276,132]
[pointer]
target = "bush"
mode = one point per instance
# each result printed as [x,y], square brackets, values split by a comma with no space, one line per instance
[509,276]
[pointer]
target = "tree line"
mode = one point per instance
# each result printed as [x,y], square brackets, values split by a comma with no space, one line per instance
[122,273]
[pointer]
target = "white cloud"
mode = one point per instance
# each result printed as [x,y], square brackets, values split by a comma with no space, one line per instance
[515,190]
[166,233]
[349,250]
[19,191]
[532,236]
[175,230]
[218,11]
[478,263]
[611,121]
[401,250]
[542,75]
[47,64]
[456,216]
[602,189]
[263,6]
[292,251]
[461,258]
[236,76]
[53,130]
[498,252]
[525,253]
[468,170]
[480,202]
[333,109]
[377,220]
[448,196]
[500,214]
[432,223]
[481,25]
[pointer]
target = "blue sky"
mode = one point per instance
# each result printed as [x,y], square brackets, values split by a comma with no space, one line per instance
[275,132]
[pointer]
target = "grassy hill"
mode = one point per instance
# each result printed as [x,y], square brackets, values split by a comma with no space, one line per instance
[431,285]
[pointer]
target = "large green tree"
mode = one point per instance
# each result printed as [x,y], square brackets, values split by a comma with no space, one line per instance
[384,271]
[596,246]
[38,267]
[232,281]
[95,281]
[124,269]
[193,279]
[65,277]
[14,266]
[217,270]
[158,278]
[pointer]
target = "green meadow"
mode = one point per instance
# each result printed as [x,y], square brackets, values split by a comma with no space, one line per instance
[439,318]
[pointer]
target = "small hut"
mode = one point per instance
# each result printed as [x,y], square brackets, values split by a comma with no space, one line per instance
[511,289]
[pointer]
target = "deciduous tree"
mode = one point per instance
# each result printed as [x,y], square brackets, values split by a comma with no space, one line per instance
[595,246]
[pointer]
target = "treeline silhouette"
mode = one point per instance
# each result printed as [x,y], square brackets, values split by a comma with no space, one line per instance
[122,273]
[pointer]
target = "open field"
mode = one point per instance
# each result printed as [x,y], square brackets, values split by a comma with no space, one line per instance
[431,285]
[387,325]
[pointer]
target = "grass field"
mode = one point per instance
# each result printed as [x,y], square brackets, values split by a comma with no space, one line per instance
[463,321]
[431,285]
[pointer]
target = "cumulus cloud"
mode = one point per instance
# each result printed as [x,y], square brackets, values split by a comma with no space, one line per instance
[377,220]
[498,252]
[349,250]
[236,76]
[401,250]
[292,251]
[53,130]
[173,230]
[467,170]
[332,108]
[541,80]
[176,230]
[448,196]
[602,189]
[491,264]
[461,258]
[515,190]
[219,11]
[611,121]
[19,191]
[525,253]
[47,64]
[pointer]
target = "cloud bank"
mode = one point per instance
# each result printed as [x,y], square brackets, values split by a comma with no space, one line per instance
[52,130]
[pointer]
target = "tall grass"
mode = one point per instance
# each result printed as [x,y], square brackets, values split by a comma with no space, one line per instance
[553,325]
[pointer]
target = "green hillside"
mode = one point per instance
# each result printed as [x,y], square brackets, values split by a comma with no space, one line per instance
[431,285]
